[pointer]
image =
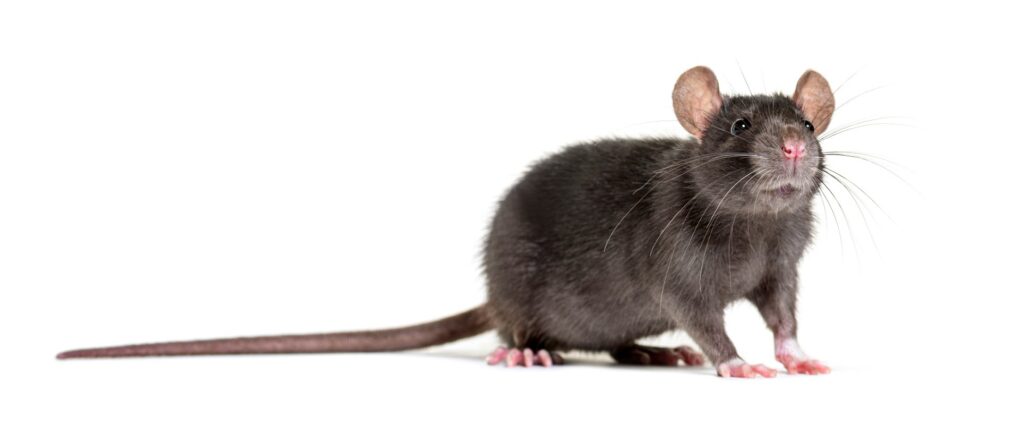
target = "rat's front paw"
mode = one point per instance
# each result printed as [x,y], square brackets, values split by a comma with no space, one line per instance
[788,352]
[805,366]
[737,368]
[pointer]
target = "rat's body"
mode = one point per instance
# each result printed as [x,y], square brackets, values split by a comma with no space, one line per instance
[558,278]
[616,240]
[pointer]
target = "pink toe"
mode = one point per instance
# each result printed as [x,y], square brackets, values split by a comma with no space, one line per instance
[497,356]
[744,370]
[515,358]
[819,367]
[527,357]
[544,358]
[809,367]
[764,371]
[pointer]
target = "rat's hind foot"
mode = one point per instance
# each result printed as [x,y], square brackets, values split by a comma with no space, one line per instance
[737,368]
[635,354]
[525,357]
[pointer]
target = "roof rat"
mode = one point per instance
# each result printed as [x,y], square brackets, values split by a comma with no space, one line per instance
[611,241]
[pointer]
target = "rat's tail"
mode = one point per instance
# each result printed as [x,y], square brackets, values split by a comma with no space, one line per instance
[463,325]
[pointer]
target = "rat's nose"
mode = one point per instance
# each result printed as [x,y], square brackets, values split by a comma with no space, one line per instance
[794,149]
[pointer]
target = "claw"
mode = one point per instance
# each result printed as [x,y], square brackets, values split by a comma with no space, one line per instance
[545,358]
[515,357]
[497,355]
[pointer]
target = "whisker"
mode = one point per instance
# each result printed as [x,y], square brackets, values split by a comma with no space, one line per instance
[643,123]
[867,155]
[860,209]
[744,78]
[664,279]
[698,158]
[871,161]
[836,175]
[846,219]
[711,223]
[856,123]
[727,131]
[716,157]
[835,217]
[680,210]
[844,82]
[855,97]
[822,139]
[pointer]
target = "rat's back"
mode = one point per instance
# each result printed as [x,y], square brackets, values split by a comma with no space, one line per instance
[545,259]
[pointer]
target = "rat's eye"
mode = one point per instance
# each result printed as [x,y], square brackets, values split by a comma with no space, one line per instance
[739,126]
[808,125]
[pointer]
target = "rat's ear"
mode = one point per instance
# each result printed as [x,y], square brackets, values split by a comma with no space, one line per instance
[696,99]
[814,97]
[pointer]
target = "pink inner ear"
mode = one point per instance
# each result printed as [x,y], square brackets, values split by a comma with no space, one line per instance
[814,97]
[696,99]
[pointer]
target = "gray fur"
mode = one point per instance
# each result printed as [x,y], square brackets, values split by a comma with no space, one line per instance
[569,269]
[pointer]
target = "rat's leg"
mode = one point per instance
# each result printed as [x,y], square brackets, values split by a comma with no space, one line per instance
[707,329]
[776,299]
[635,354]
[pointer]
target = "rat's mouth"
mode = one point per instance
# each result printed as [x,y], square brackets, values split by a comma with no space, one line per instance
[784,191]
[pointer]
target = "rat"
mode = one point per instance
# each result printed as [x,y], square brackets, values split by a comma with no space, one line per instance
[614,240]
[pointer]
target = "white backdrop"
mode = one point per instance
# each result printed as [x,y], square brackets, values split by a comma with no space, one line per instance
[211,168]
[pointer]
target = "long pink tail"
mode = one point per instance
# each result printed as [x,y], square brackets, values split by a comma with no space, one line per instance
[459,326]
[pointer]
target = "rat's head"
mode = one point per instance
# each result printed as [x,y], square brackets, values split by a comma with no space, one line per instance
[757,153]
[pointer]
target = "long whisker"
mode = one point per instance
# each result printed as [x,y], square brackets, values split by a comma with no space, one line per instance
[857,123]
[837,175]
[738,136]
[862,155]
[710,228]
[744,78]
[698,158]
[664,279]
[844,82]
[823,138]
[855,97]
[835,218]
[691,239]
[681,209]
[642,123]
[675,247]
[869,159]
[716,157]
[860,209]
[757,199]
[846,219]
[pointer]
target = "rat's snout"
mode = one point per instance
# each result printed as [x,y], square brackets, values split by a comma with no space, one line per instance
[794,148]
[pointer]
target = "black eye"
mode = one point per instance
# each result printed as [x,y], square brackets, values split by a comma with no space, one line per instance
[739,126]
[808,125]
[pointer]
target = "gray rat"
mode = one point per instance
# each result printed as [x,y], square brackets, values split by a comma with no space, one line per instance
[611,241]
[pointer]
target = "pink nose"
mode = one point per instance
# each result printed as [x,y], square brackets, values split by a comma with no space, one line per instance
[794,149]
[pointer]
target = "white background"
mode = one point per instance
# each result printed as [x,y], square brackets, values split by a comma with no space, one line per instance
[207,168]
